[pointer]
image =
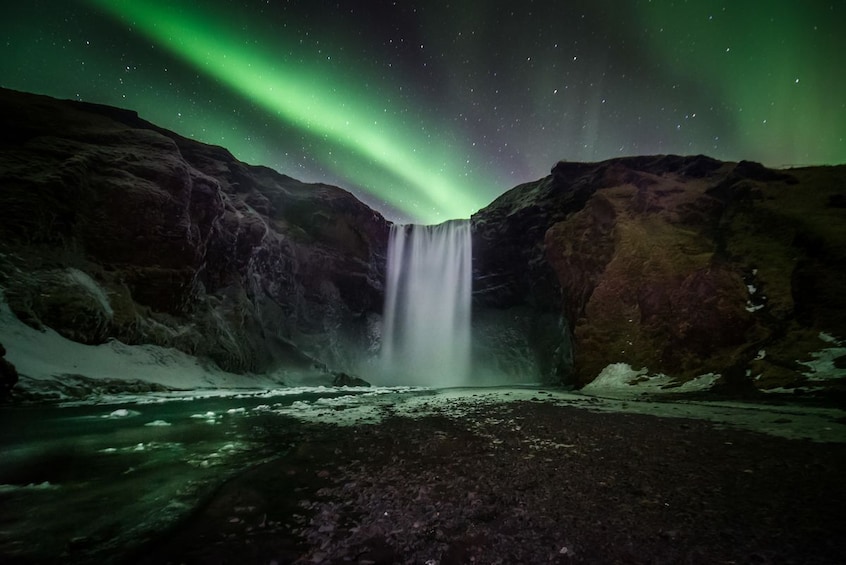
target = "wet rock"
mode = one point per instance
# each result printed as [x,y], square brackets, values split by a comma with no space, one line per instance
[8,375]
[343,379]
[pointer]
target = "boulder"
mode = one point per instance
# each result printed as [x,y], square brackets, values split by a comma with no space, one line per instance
[343,379]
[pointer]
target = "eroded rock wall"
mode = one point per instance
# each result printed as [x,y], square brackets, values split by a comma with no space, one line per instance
[681,265]
[111,227]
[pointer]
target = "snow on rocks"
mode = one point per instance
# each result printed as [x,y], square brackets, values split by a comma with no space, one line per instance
[620,379]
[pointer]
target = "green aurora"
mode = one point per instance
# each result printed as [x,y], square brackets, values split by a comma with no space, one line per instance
[773,65]
[311,101]
[428,111]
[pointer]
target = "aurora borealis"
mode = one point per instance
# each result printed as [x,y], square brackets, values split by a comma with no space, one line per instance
[429,110]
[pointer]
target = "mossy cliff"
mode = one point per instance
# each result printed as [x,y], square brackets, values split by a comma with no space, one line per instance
[680,265]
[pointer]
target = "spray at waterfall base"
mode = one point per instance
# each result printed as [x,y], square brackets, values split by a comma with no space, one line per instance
[429,335]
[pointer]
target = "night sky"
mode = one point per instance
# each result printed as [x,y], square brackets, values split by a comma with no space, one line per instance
[428,110]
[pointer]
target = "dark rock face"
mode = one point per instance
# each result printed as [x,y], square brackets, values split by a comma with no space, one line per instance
[343,379]
[517,304]
[683,265]
[113,227]
[8,375]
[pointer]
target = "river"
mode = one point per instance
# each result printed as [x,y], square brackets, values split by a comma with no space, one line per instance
[99,479]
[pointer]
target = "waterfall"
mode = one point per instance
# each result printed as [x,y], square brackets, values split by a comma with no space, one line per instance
[426,332]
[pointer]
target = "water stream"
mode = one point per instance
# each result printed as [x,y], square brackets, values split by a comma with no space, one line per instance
[95,480]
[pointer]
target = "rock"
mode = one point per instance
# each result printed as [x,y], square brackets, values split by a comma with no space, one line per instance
[111,227]
[518,323]
[8,375]
[343,379]
[681,265]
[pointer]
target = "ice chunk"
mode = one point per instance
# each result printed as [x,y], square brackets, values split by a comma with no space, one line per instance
[122,413]
[157,423]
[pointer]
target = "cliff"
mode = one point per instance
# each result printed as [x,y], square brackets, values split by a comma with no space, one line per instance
[111,227]
[679,266]
[114,228]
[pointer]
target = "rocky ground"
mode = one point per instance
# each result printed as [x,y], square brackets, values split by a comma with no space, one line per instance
[524,482]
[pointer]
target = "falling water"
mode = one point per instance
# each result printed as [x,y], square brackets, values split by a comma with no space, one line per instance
[426,334]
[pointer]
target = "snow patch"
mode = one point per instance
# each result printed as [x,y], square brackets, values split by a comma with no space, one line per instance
[121,413]
[158,423]
[754,302]
[209,417]
[614,376]
[46,485]
[622,379]
[828,338]
[45,357]
[822,367]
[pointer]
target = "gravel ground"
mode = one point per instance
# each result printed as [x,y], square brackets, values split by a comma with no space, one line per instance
[525,482]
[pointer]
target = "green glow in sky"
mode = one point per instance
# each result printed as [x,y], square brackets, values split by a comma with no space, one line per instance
[429,110]
[320,105]
[771,64]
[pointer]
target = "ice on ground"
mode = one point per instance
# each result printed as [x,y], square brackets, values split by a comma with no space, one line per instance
[795,422]
[828,338]
[613,377]
[46,485]
[822,366]
[620,379]
[209,417]
[219,456]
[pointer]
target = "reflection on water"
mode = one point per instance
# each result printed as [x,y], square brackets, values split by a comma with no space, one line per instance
[85,482]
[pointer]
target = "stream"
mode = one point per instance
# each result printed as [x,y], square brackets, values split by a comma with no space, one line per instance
[96,480]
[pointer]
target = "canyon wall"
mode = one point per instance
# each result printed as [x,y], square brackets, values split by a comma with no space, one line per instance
[111,227]
[677,265]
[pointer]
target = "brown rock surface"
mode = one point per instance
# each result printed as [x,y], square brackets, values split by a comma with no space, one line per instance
[113,227]
[682,265]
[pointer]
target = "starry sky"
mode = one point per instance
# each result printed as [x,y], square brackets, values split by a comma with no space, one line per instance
[428,110]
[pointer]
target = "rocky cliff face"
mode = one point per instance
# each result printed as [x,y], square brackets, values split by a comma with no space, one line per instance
[679,265]
[111,227]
